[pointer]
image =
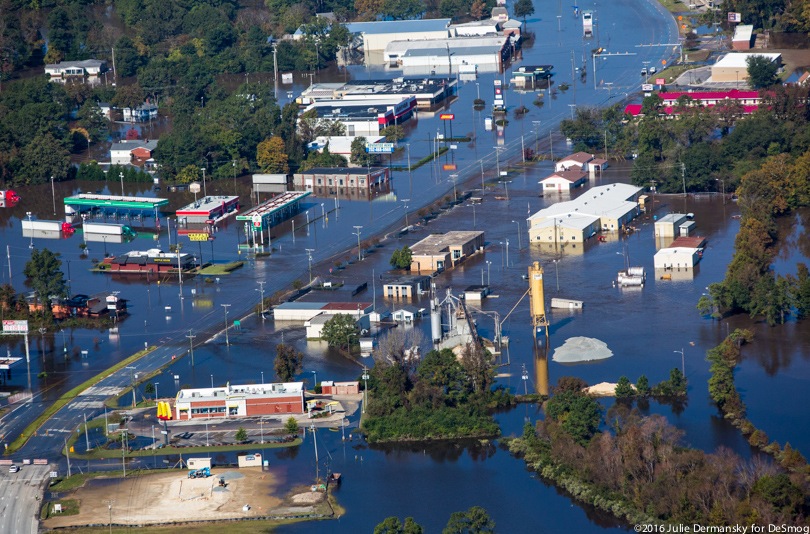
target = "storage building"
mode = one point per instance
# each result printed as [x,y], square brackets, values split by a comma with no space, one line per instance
[669,225]
[438,252]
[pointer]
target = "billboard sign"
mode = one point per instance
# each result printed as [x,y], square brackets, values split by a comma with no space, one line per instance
[447,116]
[15,327]
[660,81]
[646,87]
[449,167]
[380,148]
[734,17]
[198,237]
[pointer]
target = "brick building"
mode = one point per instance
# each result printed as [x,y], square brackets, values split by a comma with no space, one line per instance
[240,401]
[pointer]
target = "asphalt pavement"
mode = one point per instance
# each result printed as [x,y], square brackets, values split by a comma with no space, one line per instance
[20,499]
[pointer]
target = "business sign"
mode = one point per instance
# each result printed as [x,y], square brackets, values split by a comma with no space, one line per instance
[447,116]
[380,148]
[161,260]
[734,17]
[257,220]
[660,81]
[198,237]
[15,327]
[646,87]
[449,167]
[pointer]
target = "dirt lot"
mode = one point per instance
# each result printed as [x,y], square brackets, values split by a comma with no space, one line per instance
[166,498]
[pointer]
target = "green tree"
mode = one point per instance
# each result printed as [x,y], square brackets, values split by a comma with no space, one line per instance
[241,435]
[624,390]
[401,258]
[358,151]
[523,9]
[393,133]
[43,157]
[341,331]
[291,426]
[149,388]
[475,520]
[761,71]
[44,274]
[91,119]
[642,386]
[402,9]
[271,156]
[392,525]
[288,362]
[578,414]
[129,96]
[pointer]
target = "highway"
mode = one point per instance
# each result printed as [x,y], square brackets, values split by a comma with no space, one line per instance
[20,499]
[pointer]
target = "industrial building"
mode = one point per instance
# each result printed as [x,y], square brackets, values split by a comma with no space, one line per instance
[669,225]
[377,34]
[563,181]
[428,91]
[208,209]
[240,401]
[743,37]
[366,117]
[305,311]
[608,207]
[342,180]
[733,67]
[438,252]
[406,287]
[448,55]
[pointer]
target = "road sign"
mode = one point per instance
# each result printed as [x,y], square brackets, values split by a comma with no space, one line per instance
[660,81]
[449,166]
[447,116]
[198,237]
[646,87]
[15,327]
[380,148]
[257,220]
[53,474]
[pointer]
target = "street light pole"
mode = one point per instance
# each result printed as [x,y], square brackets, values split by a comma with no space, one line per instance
[53,195]
[156,391]
[261,292]
[488,264]
[226,306]
[365,388]
[518,225]
[205,191]
[309,260]
[31,226]
[191,345]
[314,379]
[121,175]
[357,231]
[683,362]
[405,206]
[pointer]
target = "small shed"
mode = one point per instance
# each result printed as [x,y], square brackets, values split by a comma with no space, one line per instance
[669,225]
[198,463]
[687,228]
[476,293]
[249,460]
[340,388]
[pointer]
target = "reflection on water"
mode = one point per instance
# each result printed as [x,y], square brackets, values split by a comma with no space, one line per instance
[541,369]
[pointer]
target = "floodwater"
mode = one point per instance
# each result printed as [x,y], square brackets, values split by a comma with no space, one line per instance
[642,327]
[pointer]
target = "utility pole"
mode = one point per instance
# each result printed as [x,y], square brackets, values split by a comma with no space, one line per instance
[177,247]
[261,292]
[226,306]
[683,177]
[191,337]
[357,231]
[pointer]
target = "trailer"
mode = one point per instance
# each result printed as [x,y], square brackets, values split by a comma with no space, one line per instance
[47,226]
[108,229]
[587,23]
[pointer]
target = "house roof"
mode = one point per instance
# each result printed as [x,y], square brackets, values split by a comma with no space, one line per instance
[581,157]
[132,145]
[441,243]
[739,60]
[604,200]
[635,109]
[688,242]
[743,32]
[398,26]
[85,64]
[570,175]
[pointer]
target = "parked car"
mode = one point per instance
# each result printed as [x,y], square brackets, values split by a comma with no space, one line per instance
[644,71]
[13,468]
[652,70]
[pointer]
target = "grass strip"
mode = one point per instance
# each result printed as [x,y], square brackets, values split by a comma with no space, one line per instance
[96,454]
[219,269]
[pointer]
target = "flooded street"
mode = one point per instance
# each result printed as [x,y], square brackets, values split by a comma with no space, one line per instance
[643,327]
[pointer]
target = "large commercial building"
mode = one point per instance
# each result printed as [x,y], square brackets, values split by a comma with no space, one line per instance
[377,34]
[608,207]
[345,182]
[366,117]
[428,91]
[438,252]
[240,401]
[733,67]
[448,55]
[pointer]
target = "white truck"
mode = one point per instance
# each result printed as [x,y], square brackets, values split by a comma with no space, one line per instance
[108,229]
[47,226]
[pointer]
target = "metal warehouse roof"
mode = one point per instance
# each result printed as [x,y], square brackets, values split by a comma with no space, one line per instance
[398,26]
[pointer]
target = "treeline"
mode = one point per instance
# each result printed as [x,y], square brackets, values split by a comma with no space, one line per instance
[777,183]
[440,397]
[640,471]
